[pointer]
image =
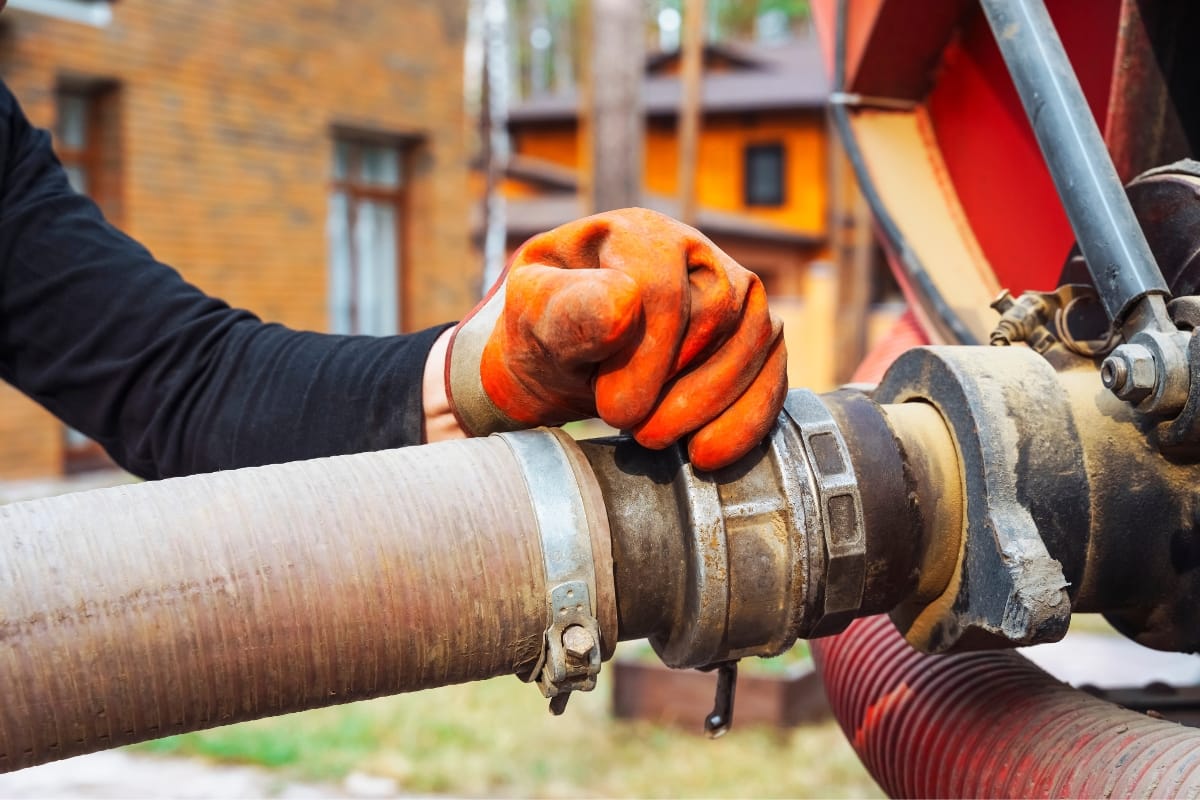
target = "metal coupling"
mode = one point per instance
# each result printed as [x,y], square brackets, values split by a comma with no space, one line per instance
[839,511]
[747,558]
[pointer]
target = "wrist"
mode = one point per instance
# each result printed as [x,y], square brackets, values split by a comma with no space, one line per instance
[440,424]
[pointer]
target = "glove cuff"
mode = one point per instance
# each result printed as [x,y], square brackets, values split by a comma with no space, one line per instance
[477,415]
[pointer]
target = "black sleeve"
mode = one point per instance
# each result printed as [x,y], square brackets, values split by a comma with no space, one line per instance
[169,380]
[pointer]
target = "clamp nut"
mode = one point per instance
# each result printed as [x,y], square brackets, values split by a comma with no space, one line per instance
[1130,372]
[578,642]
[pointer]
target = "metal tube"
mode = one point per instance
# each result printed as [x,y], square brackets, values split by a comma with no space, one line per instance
[141,611]
[1108,233]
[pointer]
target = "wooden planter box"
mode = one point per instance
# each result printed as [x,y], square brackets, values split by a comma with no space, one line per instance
[682,698]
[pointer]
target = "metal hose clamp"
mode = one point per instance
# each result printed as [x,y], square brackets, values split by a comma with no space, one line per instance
[570,657]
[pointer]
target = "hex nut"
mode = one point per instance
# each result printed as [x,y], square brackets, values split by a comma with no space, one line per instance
[840,511]
[1114,373]
[578,642]
[1130,372]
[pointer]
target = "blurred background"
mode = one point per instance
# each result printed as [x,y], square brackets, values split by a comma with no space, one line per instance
[365,167]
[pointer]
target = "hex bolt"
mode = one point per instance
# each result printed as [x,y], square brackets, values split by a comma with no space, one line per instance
[1114,372]
[1130,372]
[578,642]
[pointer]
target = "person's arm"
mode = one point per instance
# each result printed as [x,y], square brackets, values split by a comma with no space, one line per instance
[167,379]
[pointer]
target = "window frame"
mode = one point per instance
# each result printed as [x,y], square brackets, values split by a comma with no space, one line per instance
[100,156]
[749,154]
[355,189]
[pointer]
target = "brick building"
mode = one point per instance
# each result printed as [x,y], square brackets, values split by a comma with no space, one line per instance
[305,159]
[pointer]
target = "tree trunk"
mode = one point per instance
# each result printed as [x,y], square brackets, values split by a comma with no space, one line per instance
[692,80]
[617,61]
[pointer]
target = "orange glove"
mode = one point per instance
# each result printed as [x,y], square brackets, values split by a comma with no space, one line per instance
[632,317]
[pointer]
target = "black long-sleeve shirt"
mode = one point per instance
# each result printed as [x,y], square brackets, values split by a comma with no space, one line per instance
[169,380]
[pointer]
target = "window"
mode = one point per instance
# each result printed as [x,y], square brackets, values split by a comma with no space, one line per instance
[764,174]
[86,140]
[88,12]
[366,227]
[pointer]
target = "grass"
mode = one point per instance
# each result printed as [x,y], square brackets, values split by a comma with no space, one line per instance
[1092,623]
[496,738]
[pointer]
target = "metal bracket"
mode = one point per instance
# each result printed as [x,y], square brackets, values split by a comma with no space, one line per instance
[570,657]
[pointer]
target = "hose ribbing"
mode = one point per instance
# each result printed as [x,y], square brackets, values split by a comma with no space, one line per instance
[140,611]
[992,724]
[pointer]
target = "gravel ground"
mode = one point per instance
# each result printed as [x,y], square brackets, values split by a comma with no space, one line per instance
[118,774]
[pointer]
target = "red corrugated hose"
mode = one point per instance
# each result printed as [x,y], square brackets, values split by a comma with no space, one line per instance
[988,724]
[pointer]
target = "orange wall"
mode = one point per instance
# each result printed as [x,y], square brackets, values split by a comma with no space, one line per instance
[720,161]
[721,169]
[553,142]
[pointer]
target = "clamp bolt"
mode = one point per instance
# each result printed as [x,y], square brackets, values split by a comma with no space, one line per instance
[578,642]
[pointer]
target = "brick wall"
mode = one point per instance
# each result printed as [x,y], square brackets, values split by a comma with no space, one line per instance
[226,109]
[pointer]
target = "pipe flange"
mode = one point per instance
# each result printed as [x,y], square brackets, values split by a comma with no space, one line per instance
[1020,457]
[839,511]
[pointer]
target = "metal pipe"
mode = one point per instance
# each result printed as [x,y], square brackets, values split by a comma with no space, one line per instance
[742,561]
[146,610]
[1108,233]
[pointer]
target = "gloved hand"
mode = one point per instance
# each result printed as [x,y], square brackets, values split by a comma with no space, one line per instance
[630,316]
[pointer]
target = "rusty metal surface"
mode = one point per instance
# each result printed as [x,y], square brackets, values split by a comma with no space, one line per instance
[817,525]
[714,566]
[145,610]
[1023,490]
[936,488]
[1070,504]
[839,511]
[1141,532]
[649,562]
[569,568]
[1152,92]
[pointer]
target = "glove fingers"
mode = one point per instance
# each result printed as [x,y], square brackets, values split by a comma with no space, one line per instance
[748,420]
[718,288]
[700,394]
[538,366]
[577,317]
[628,383]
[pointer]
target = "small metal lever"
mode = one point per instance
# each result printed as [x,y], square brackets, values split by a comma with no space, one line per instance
[720,720]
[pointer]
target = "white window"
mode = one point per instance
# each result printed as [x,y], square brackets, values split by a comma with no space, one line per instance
[88,12]
[366,217]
